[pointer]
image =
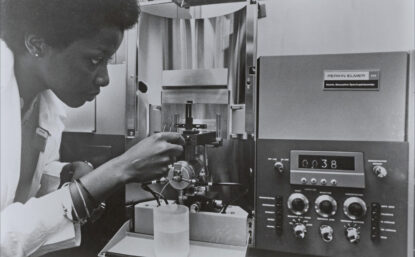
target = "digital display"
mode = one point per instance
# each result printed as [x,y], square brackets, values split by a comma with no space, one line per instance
[326,162]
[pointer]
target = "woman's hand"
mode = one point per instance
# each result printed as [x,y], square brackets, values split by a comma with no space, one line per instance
[145,161]
[149,159]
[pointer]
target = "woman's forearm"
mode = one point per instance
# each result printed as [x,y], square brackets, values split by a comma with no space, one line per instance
[104,180]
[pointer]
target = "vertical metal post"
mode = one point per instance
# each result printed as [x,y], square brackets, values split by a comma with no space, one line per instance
[131,102]
[175,122]
[250,70]
[251,89]
[218,126]
[411,141]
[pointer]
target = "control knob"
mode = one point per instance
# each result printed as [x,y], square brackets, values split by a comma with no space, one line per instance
[300,230]
[354,208]
[325,206]
[380,171]
[352,234]
[298,203]
[326,233]
[279,166]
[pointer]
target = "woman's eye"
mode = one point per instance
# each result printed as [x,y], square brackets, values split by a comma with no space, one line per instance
[96,61]
[100,60]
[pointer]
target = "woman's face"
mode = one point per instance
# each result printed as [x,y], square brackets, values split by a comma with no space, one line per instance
[76,73]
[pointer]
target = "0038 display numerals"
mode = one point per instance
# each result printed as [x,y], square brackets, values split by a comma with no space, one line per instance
[326,162]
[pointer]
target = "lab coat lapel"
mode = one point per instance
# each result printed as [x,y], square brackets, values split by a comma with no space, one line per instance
[50,112]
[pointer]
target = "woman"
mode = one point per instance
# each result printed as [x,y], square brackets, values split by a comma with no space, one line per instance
[59,52]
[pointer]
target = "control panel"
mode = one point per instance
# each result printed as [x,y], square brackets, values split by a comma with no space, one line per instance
[332,198]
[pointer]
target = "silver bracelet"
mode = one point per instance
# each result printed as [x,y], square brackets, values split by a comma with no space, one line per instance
[74,209]
[83,199]
[66,212]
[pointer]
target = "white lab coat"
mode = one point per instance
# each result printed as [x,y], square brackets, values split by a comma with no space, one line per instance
[39,225]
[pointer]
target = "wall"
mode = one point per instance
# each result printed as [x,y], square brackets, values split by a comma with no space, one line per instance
[295,27]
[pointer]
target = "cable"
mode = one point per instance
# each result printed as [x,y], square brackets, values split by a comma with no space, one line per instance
[162,196]
[148,189]
[165,186]
[161,192]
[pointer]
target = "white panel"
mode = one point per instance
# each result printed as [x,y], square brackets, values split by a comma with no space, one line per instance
[196,77]
[200,96]
[111,102]
[150,59]
[107,110]
[81,119]
[336,26]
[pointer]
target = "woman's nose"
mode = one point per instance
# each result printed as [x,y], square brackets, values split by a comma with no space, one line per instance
[102,78]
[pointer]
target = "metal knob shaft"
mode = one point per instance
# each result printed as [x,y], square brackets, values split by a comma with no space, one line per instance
[352,234]
[326,233]
[300,230]
[380,171]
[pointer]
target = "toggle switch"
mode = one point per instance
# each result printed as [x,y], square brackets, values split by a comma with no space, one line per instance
[279,167]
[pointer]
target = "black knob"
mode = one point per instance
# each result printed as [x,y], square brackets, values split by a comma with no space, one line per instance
[298,204]
[326,207]
[356,209]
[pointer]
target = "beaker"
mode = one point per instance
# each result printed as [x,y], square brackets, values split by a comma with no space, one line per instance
[171,231]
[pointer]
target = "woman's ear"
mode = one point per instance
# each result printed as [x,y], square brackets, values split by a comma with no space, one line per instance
[35,45]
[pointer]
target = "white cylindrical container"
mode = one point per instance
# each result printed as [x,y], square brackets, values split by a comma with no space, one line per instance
[171,231]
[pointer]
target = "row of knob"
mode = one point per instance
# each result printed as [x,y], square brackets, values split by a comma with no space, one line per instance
[351,232]
[326,206]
